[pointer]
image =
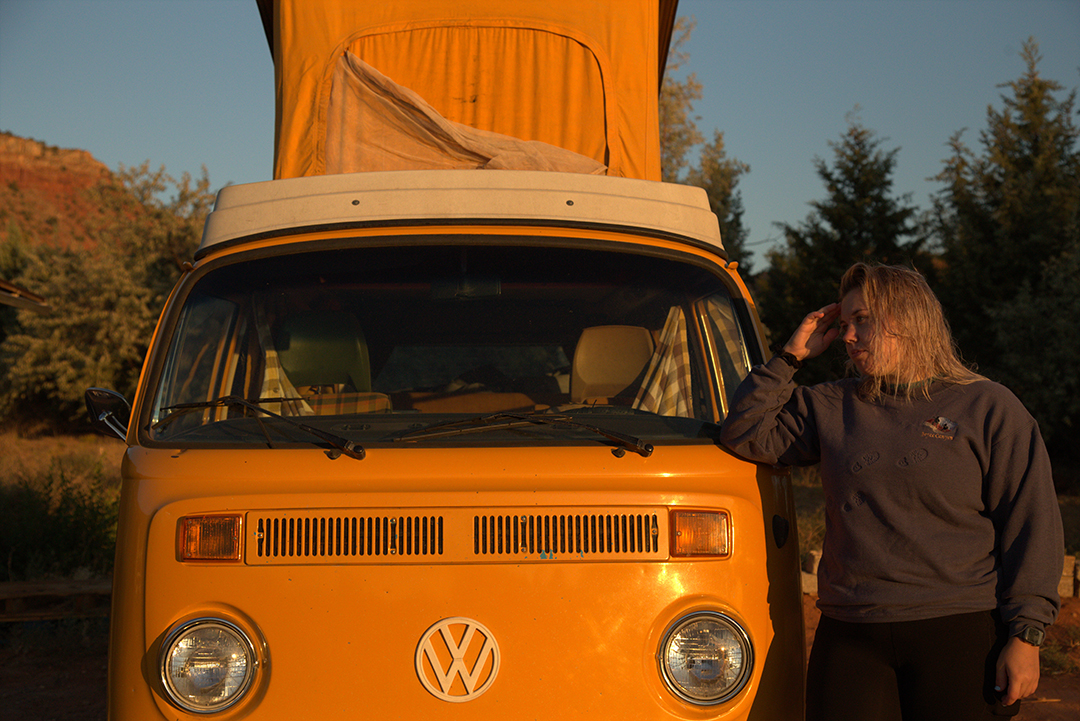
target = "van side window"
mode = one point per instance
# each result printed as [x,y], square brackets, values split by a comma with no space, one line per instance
[200,367]
[727,344]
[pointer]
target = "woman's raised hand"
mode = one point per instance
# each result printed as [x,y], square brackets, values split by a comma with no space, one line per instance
[815,333]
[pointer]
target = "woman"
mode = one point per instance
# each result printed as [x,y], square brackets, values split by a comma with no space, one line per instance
[943,543]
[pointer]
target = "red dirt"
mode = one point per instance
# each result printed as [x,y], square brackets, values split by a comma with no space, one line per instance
[44,191]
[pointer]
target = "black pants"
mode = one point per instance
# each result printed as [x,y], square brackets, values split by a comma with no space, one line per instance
[936,669]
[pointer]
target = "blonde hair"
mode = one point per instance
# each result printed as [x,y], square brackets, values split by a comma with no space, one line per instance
[902,306]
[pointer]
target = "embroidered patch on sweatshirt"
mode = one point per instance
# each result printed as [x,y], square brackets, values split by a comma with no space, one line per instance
[940,427]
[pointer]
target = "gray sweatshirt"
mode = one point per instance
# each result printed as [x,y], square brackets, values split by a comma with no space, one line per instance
[932,507]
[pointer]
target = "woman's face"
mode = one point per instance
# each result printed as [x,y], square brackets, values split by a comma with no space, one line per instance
[857,329]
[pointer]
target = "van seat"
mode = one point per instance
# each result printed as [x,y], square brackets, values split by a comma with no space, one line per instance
[324,349]
[609,361]
[474,402]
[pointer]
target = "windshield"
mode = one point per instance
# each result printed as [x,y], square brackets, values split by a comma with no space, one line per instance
[374,342]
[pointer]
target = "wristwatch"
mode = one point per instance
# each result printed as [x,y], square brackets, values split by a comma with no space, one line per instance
[1032,635]
[791,360]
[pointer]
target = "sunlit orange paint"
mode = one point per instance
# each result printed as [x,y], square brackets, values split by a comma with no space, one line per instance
[531,572]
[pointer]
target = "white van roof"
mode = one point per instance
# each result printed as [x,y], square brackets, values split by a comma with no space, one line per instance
[294,205]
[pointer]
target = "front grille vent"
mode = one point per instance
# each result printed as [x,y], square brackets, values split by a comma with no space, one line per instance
[580,535]
[327,537]
[449,535]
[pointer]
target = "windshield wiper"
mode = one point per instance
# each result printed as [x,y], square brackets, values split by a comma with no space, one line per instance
[503,421]
[344,445]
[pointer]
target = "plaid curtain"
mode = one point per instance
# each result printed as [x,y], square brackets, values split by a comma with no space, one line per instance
[666,388]
[275,383]
[336,404]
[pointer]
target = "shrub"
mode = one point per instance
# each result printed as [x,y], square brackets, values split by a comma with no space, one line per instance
[55,525]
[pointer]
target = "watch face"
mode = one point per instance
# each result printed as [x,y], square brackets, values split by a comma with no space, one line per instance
[1032,635]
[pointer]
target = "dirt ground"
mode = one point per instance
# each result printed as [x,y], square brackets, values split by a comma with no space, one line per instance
[56,671]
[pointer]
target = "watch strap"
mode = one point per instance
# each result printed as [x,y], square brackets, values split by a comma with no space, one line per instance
[779,352]
[1032,635]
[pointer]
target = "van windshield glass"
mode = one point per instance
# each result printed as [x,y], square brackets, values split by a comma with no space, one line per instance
[373,342]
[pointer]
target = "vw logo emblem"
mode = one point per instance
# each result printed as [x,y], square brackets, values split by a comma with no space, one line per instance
[457,659]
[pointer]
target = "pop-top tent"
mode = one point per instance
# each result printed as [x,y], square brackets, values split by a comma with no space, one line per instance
[568,85]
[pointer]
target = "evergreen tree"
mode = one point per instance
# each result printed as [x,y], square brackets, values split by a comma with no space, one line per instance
[1008,221]
[719,176]
[1037,336]
[679,136]
[859,220]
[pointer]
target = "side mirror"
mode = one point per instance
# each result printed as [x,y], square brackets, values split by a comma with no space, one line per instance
[109,411]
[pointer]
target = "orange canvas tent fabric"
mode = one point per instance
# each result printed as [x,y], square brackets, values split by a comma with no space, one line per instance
[582,76]
[375,124]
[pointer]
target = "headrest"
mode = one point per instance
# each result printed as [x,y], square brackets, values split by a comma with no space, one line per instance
[608,360]
[318,349]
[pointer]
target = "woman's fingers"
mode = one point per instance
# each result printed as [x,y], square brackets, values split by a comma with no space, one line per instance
[815,333]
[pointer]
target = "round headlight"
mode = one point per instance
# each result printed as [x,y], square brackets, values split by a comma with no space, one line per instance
[706,658]
[207,665]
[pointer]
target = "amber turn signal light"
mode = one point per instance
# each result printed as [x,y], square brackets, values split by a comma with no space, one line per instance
[210,538]
[700,533]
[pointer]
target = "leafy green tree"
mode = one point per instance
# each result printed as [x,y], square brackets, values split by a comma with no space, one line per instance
[14,258]
[96,335]
[105,299]
[678,124]
[679,137]
[1008,221]
[859,220]
[159,231]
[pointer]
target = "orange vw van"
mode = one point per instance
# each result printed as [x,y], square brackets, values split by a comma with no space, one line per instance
[419,438]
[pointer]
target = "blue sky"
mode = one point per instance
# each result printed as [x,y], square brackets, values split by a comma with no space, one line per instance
[188,83]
